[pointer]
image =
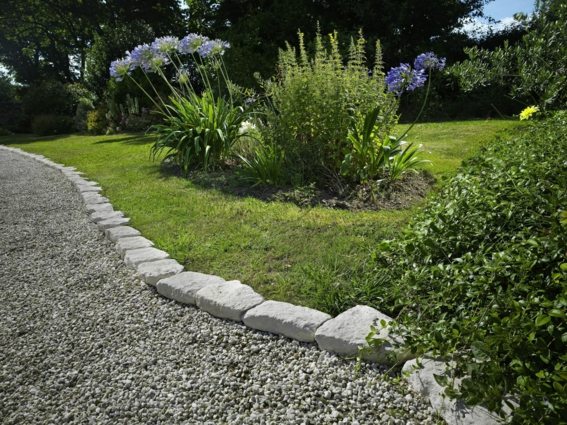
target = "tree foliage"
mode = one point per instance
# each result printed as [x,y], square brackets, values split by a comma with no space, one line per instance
[532,70]
[50,39]
[257,28]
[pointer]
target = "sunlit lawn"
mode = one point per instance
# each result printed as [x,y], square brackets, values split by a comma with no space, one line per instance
[278,248]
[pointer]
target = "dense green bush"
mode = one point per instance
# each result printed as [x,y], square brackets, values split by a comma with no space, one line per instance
[4,132]
[481,275]
[48,97]
[49,124]
[313,101]
[96,121]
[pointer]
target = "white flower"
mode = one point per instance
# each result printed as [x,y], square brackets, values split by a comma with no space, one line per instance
[246,127]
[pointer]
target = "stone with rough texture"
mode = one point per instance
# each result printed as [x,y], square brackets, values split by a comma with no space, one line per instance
[156,270]
[91,208]
[105,215]
[93,198]
[347,332]
[455,412]
[183,286]
[116,233]
[88,188]
[137,242]
[228,301]
[112,222]
[144,255]
[286,319]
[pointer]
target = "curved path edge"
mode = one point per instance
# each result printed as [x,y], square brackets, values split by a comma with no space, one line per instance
[345,334]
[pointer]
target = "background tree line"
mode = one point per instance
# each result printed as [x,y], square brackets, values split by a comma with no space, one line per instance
[61,49]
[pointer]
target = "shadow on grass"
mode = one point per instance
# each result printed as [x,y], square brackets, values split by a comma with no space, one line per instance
[405,193]
[134,139]
[24,139]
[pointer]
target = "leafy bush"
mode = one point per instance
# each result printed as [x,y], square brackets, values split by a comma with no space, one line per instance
[48,97]
[4,132]
[81,115]
[265,166]
[198,131]
[49,124]
[96,121]
[481,275]
[312,101]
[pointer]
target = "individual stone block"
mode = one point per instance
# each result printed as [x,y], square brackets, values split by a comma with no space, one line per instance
[347,332]
[228,301]
[144,255]
[137,242]
[184,286]
[112,222]
[105,215]
[88,188]
[286,319]
[93,198]
[455,412]
[116,233]
[156,270]
[91,208]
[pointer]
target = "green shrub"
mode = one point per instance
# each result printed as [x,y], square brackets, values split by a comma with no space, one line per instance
[265,166]
[81,114]
[480,277]
[96,121]
[312,101]
[48,97]
[49,124]
[198,130]
[4,132]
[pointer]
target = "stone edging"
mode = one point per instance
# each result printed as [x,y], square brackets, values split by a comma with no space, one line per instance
[232,300]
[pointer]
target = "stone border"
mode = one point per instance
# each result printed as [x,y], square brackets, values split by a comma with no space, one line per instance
[344,335]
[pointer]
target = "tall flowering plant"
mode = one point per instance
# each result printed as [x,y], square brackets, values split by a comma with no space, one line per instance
[199,126]
[373,154]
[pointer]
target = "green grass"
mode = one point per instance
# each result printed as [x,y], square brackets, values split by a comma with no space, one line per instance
[283,251]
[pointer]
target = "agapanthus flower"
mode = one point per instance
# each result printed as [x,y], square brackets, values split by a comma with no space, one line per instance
[147,58]
[429,62]
[120,68]
[190,43]
[182,76]
[212,47]
[404,78]
[165,45]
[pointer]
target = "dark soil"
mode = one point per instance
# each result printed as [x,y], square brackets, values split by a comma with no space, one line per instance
[377,195]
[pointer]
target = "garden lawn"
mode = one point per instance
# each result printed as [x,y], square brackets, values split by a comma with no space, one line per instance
[285,252]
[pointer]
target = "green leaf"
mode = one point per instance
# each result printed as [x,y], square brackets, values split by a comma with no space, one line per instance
[542,320]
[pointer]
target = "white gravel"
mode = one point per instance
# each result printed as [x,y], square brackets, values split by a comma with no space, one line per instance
[83,340]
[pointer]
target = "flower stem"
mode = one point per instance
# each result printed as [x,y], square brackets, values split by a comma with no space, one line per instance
[420,111]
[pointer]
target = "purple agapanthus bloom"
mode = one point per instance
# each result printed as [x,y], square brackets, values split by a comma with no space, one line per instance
[190,43]
[404,78]
[213,47]
[428,61]
[147,58]
[120,68]
[165,45]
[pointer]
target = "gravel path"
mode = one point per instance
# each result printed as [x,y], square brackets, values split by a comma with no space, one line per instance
[83,340]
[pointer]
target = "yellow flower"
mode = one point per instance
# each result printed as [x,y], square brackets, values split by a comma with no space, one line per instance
[527,113]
